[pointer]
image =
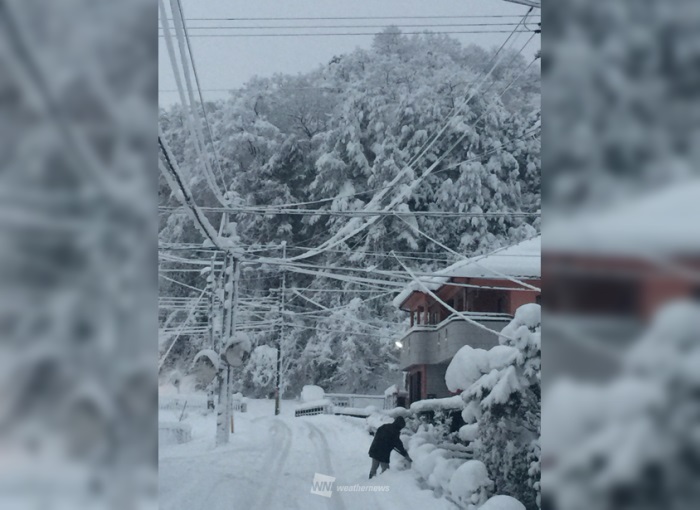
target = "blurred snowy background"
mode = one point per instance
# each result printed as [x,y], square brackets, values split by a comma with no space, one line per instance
[621,255]
[78,321]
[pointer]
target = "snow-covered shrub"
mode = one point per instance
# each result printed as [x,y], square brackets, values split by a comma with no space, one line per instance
[440,478]
[261,370]
[502,503]
[501,399]
[311,393]
[468,432]
[427,459]
[631,442]
[509,426]
[470,485]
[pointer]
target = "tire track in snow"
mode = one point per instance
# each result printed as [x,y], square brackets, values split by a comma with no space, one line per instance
[320,443]
[273,463]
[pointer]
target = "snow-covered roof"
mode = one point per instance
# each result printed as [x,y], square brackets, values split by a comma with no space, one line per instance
[521,260]
[662,223]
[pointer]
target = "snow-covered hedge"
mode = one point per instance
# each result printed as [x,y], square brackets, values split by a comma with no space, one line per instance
[632,435]
[500,405]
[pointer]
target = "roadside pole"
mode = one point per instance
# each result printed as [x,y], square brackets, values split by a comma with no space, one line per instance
[279,344]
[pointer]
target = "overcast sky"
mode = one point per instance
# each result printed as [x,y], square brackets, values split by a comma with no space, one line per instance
[229,62]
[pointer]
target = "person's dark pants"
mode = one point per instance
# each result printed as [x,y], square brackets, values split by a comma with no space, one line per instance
[375,465]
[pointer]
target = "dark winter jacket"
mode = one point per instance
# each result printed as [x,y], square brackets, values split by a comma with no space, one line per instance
[386,439]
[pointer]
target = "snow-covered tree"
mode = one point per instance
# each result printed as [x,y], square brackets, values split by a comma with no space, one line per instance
[501,392]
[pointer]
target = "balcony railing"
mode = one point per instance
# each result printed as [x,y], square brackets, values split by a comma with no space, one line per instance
[438,343]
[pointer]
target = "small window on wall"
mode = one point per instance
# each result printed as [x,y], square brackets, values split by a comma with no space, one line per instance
[538,299]
[435,318]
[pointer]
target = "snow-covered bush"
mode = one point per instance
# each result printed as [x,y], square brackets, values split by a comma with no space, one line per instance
[470,485]
[502,503]
[631,442]
[311,393]
[509,427]
[261,370]
[501,399]
[440,478]
[426,459]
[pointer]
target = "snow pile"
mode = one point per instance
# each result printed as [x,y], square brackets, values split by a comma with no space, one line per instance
[170,433]
[470,484]
[312,393]
[502,503]
[632,433]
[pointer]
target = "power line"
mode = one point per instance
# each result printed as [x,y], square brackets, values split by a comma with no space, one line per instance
[312,212]
[201,97]
[342,34]
[339,18]
[300,27]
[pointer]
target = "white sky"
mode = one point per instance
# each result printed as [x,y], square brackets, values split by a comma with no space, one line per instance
[229,62]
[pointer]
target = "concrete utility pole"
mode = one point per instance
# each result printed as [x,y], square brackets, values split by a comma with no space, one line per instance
[230,278]
[279,344]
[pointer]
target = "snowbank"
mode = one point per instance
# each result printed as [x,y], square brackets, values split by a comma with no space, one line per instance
[170,433]
[312,393]
[502,503]
[470,484]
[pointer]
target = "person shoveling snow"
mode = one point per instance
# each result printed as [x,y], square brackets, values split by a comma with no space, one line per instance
[385,440]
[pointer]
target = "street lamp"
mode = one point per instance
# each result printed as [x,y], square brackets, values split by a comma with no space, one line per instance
[399,344]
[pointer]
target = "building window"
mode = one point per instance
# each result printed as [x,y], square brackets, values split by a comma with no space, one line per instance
[538,299]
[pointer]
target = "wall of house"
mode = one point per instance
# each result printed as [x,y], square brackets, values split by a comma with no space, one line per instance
[658,289]
[435,381]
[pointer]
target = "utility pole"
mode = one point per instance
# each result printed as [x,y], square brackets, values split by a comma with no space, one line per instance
[279,343]
[231,276]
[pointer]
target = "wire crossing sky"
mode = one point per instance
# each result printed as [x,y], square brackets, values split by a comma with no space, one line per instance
[229,62]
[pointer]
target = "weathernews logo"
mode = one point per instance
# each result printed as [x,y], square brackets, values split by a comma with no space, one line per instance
[322,485]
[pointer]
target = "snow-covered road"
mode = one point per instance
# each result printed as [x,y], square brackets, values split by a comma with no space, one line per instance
[271,461]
